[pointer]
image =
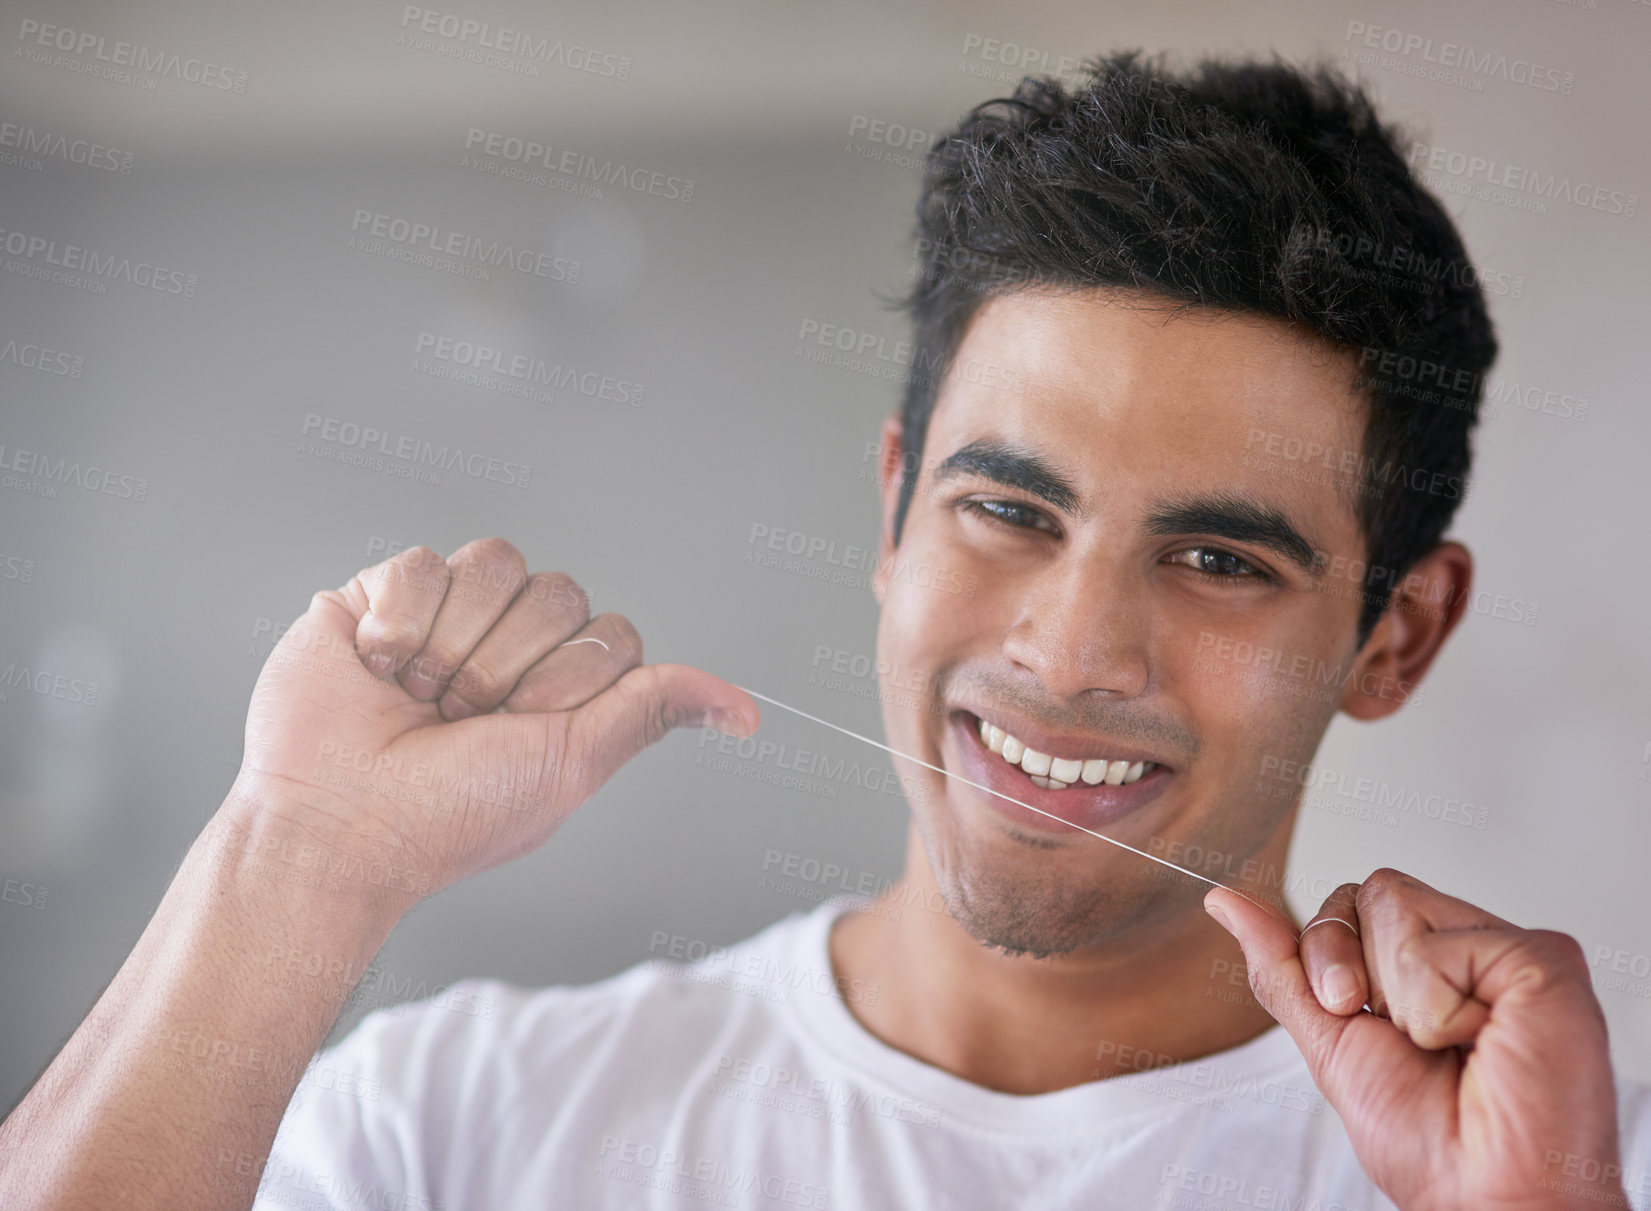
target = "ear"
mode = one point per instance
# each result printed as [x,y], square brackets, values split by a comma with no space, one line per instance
[889,464]
[1421,613]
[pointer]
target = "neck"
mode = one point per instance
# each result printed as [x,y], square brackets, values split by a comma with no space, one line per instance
[1167,994]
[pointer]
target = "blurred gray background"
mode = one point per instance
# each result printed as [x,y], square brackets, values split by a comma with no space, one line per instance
[800,128]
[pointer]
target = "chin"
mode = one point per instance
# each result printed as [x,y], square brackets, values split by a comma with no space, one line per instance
[1015,898]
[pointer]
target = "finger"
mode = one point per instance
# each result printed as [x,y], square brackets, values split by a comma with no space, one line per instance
[602,652]
[1277,977]
[402,596]
[549,610]
[1393,908]
[486,576]
[645,704]
[1432,982]
[1332,953]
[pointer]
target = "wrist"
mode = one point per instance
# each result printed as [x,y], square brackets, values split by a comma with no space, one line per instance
[268,847]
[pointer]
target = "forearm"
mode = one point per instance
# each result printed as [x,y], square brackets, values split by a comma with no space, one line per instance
[170,1093]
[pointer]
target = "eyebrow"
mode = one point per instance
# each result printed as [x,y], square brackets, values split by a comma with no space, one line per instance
[1237,519]
[1223,514]
[1014,467]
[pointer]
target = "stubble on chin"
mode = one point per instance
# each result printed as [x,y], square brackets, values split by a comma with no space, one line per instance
[1025,911]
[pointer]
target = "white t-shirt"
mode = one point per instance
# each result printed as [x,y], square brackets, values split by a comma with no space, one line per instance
[743,1080]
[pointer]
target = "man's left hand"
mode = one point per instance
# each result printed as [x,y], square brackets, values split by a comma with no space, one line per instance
[1479,1075]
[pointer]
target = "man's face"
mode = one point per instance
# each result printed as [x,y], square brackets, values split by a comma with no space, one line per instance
[1110,557]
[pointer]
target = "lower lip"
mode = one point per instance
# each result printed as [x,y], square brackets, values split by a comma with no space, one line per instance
[1080,804]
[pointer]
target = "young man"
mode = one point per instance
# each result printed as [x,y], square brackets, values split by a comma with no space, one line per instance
[1168,490]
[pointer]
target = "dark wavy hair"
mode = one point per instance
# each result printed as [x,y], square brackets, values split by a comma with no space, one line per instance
[1247,186]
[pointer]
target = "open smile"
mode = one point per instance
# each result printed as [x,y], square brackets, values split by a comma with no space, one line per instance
[1083,782]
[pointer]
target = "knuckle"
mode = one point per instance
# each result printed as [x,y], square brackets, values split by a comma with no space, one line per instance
[659,713]
[1410,954]
[478,685]
[417,557]
[420,569]
[435,665]
[1560,952]
[400,636]
[488,552]
[661,719]
[1383,883]
[558,595]
[622,637]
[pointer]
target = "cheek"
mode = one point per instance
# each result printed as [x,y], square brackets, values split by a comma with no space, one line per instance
[1256,709]
[922,601]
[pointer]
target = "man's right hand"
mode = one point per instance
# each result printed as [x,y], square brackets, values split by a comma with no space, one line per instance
[433,716]
[437,717]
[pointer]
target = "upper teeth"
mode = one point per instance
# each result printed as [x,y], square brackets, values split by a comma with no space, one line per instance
[1057,773]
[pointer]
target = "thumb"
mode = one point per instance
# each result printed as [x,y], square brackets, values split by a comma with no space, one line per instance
[641,707]
[1272,956]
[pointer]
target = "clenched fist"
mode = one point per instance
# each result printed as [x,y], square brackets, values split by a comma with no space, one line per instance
[437,717]
[1479,1076]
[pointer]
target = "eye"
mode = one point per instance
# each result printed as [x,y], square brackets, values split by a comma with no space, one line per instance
[1215,564]
[1011,513]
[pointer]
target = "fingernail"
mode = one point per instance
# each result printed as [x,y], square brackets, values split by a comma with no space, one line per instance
[1220,917]
[726,722]
[1340,984]
[378,663]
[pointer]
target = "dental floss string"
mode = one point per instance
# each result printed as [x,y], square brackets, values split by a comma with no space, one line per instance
[1000,795]
[970,782]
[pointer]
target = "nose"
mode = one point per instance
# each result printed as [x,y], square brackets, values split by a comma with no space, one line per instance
[1081,627]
